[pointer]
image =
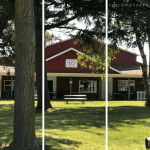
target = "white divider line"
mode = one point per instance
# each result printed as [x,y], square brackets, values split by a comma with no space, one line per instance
[106,77]
[43,70]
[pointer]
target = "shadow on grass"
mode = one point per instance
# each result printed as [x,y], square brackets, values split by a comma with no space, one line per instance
[6,124]
[66,119]
[58,143]
[127,115]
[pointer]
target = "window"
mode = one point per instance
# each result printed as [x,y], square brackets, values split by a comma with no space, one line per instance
[8,85]
[87,86]
[123,85]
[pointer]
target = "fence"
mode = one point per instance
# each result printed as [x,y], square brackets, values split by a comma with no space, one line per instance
[141,95]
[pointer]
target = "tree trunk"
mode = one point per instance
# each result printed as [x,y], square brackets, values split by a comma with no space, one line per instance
[38,66]
[24,111]
[146,85]
[38,63]
[47,97]
[144,69]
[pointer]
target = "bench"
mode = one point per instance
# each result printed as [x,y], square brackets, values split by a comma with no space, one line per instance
[75,97]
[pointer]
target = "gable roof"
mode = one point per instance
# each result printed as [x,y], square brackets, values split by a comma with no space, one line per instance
[75,50]
[128,51]
[67,50]
[64,45]
[61,46]
[129,69]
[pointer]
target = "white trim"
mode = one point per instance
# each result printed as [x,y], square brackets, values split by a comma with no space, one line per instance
[11,86]
[67,50]
[74,74]
[68,74]
[116,70]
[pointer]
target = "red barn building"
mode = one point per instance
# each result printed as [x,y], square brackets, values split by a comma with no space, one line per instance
[66,76]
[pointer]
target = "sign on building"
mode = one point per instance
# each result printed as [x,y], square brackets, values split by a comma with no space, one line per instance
[71,63]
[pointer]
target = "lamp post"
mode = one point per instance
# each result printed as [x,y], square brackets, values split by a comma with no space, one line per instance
[70,82]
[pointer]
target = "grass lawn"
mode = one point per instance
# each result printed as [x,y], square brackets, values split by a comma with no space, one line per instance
[6,123]
[129,125]
[76,126]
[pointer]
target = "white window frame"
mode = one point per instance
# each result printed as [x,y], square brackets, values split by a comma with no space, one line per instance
[89,81]
[126,84]
[9,85]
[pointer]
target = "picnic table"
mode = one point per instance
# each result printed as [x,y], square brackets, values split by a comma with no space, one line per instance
[75,97]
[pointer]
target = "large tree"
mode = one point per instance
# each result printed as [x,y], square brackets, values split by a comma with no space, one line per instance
[130,22]
[7,35]
[24,113]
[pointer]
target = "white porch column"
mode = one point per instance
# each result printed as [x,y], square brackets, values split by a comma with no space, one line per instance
[103,88]
[110,85]
[70,82]
[100,88]
[54,79]
[11,85]
[128,88]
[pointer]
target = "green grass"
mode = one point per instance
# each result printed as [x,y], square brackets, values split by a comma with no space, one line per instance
[76,126]
[6,123]
[129,125]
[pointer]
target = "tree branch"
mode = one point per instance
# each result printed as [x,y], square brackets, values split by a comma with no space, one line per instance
[48,27]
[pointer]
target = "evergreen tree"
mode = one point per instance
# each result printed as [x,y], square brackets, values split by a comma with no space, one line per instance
[130,22]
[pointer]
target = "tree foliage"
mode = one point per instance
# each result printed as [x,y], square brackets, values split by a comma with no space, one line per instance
[92,13]
[96,60]
[49,39]
[6,13]
[130,22]
[7,47]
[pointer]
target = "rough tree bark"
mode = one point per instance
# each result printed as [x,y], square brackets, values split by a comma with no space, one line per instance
[47,97]
[24,111]
[38,66]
